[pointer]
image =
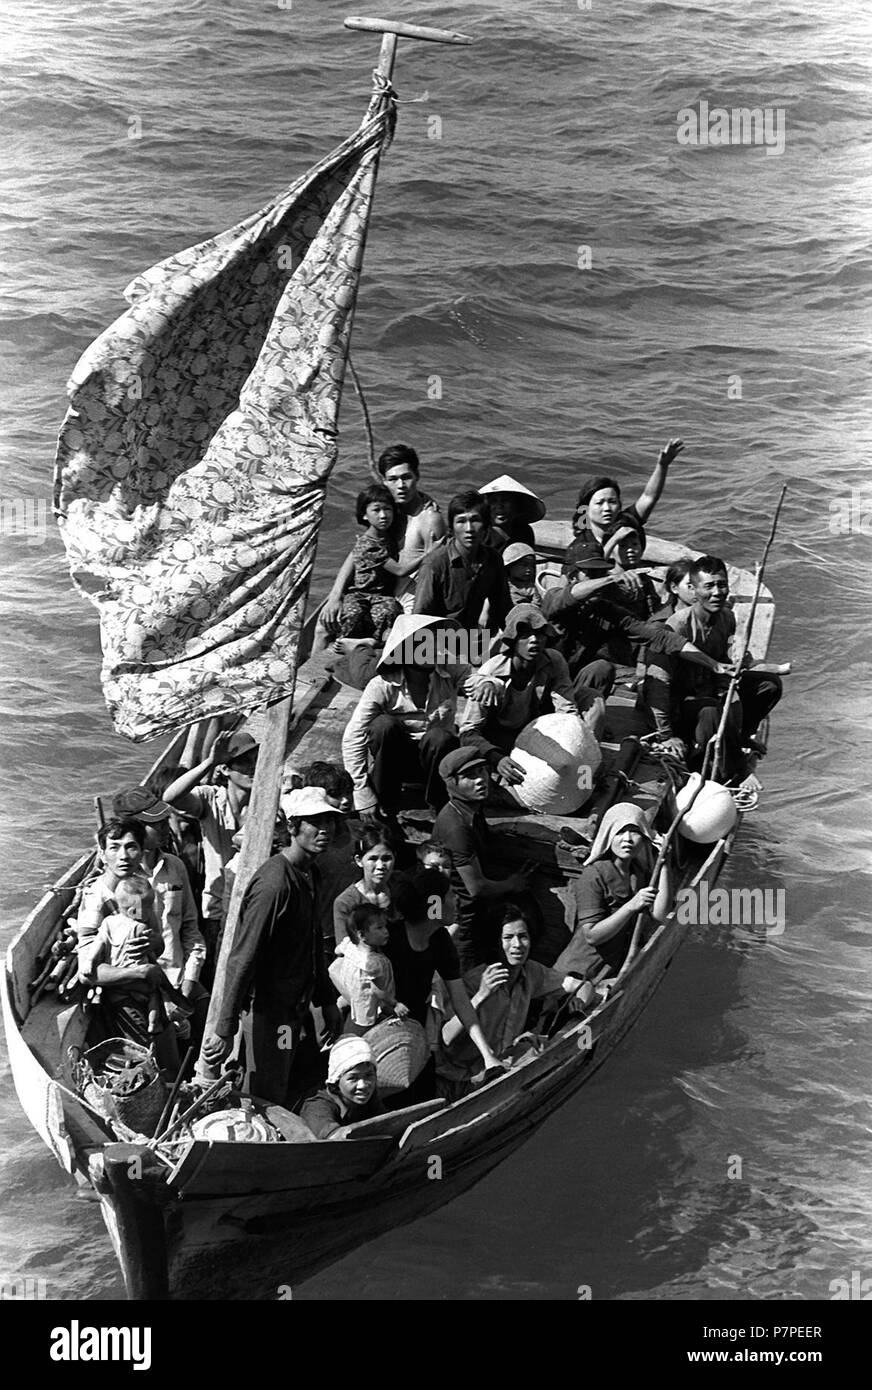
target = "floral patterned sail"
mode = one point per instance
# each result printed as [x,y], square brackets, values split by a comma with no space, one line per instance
[193,460]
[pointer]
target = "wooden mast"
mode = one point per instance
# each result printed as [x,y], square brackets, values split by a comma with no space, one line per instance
[261,817]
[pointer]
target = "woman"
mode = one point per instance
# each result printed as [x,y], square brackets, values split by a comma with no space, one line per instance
[501,994]
[612,889]
[599,500]
[375,857]
[419,947]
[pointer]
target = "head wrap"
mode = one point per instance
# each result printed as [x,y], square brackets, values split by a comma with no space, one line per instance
[615,818]
[348,1052]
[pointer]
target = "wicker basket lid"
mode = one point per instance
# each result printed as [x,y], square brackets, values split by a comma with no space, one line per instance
[559,755]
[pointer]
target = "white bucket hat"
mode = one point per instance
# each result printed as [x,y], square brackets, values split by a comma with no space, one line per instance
[559,755]
[307,801]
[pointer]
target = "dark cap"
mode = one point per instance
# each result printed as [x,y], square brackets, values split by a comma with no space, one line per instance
[141,804]
[592,485]
[238,744]
[586,554]
[458,761]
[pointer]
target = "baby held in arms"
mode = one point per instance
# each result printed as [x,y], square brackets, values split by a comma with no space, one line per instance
[362,973]
[123,958]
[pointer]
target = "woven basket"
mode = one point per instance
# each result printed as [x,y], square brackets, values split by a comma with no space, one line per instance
[141,1109]
[400,1052]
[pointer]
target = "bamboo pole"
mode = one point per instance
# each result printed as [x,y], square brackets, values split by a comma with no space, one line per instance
[715,745]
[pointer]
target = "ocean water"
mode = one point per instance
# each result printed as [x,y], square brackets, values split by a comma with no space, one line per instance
[554,286]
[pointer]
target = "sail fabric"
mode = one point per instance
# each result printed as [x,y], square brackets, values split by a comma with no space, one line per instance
[193,459]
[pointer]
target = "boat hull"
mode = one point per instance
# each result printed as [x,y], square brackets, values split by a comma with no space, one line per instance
[247,1245]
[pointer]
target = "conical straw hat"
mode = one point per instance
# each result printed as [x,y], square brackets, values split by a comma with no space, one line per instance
[559,755]
[534,507]
[405,626]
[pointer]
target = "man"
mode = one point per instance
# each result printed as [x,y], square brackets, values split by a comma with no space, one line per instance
[686,701]
[277,956]
[405,719]
[457,579]
[462,828]
[595,626]
[121,843]
[419,526]
[184,950]
[220,808]
[533,679]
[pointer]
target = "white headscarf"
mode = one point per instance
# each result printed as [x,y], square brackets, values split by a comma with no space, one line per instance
[347,1052]
[615,818]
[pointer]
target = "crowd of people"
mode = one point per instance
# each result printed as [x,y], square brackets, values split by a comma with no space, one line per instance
[346,926]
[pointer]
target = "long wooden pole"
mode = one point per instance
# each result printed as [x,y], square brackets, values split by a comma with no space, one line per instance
[261,817]
[715,745]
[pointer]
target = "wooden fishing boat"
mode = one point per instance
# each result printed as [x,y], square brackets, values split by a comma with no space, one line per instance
[207,1218]
[231,1220]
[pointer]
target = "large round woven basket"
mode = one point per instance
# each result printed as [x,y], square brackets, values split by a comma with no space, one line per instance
[139,1110]
[400,1052]
[559,755]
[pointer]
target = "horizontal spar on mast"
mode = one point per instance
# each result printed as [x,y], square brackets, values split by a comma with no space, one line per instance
[406,31]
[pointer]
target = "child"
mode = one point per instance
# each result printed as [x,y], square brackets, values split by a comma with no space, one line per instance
[627,546]
[362,973]
[677,590]
[433,855]
[374,855]
[123,957]
[519,561]
[351,1093]
[369,607]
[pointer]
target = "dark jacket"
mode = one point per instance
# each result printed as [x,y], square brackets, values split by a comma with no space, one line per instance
[278,965]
